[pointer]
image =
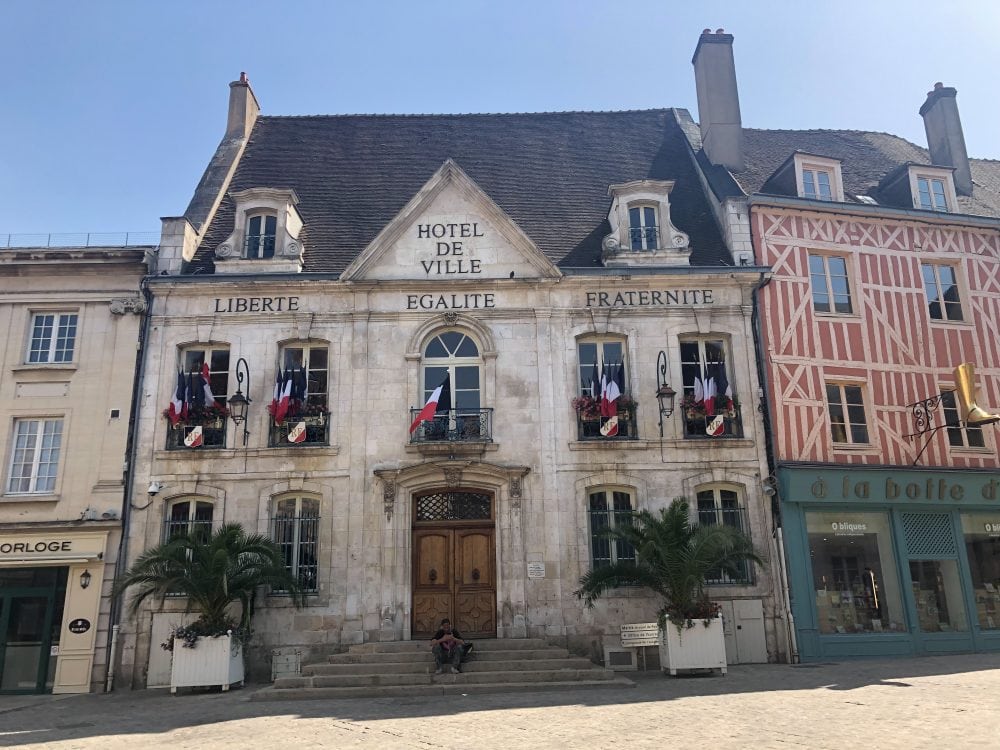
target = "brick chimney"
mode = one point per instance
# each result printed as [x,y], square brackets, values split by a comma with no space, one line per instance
[718,99]
[945,140]
[243,108]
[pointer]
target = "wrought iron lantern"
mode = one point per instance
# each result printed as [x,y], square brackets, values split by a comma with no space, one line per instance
[665,395]
[85,579]
[238,403]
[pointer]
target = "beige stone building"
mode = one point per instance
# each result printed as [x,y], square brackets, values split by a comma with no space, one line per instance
[71,318]
[366,260]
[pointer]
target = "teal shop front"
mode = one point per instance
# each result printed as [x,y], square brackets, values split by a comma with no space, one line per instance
[885,562]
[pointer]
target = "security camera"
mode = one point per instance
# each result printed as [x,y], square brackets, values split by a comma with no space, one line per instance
[154,487]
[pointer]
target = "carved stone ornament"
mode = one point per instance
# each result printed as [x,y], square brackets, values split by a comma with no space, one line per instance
[453,477]
[122,305]
[291,249]
[388,497]
[451,318]
[515,492]
[226,250]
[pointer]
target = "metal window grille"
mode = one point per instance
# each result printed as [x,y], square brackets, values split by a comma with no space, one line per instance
[454,506]
[710,514]
[929,536]
[609,509]
[297,535]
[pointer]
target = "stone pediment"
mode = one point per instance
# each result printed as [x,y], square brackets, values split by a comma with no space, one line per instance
[450,231]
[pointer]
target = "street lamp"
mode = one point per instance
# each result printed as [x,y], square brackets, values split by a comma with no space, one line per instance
[664,393]
[238,403]
[85,579]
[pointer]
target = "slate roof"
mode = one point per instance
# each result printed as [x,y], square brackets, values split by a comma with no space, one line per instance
[550,172]
[866,157]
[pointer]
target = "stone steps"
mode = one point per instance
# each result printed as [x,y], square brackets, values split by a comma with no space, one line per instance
[407,668]
[442,688]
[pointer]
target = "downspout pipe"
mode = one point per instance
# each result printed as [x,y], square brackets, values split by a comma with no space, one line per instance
[121,562]
[765,407]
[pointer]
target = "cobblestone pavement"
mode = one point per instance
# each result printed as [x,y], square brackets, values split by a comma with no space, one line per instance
[936,702]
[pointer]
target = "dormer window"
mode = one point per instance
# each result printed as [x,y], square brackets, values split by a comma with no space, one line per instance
[642,228]
[932,188]
[265,234]
[816,184]
[261,233]
[818,178]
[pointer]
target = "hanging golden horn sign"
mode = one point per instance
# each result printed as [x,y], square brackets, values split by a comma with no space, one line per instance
[965,389]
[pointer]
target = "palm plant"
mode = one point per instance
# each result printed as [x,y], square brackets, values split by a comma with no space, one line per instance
[672,558]
[213,572]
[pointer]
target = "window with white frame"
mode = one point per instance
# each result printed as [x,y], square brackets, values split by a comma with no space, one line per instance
[313,361]
[597,357]
[816,184]
[707,391]
[831,288]
[931,194]
[941,288]
[34,461]
[189,517]
[609,507]
[261,234]
[642,229]
[53,337]
[720,506]
[204,425]
[846,405]
[602,359]
[304,372]
[453,357]
[194,358]
[295,529]
[959,435]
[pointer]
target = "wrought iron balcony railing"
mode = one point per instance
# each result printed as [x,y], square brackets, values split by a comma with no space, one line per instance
[590,428]
[213,435]
[454,426]
[287,434]
[697,424]
[643,238]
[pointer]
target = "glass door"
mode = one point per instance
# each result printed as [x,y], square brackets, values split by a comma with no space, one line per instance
[31,603]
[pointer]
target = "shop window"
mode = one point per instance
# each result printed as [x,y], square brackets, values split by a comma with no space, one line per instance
[452,359]
[262,231]
[959,436]
[34,460]
[941,288]
[721,506]
[708,401]
[300,412]
[854,580]
[603,360]
[847,414]
[982,545]
[53,337]
[937,593]
[831,289]
[295,529]
[609,508]
[191,517]
[203,424]
[642,229]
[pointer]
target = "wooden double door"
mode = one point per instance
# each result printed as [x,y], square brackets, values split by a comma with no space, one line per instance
[454,564]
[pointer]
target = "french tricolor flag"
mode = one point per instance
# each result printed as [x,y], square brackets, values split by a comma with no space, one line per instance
[440,400]
[178,402]
[281,411]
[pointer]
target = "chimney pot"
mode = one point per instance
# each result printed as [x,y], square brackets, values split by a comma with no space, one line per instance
[945,140]
[720,31]
[243,108]
[243,77]
[718,100]
[706,31]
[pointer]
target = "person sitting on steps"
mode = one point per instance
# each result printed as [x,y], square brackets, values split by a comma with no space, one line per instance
[448,646]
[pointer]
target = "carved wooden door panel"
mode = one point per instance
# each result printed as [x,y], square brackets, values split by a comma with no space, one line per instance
[432,580]
[474,611]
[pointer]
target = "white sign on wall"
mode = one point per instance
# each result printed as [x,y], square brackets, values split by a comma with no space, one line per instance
[536,570]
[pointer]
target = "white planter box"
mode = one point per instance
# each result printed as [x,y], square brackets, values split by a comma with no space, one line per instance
[212,661]
[699,647]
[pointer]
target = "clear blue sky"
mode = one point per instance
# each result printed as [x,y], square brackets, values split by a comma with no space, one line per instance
[110,111]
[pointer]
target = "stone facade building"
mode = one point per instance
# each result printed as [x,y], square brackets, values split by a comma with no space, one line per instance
[365,260]
[72,317]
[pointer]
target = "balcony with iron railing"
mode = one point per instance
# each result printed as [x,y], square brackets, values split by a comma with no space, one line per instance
[698,425]
[213,434]
[588,426]
[643,239]
[454,426]
[80,239]
[312,428]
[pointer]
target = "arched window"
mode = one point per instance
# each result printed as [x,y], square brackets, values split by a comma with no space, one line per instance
[261,232]
[452,358]
[721,506]
[295,529]
[191,516]
[609,507]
